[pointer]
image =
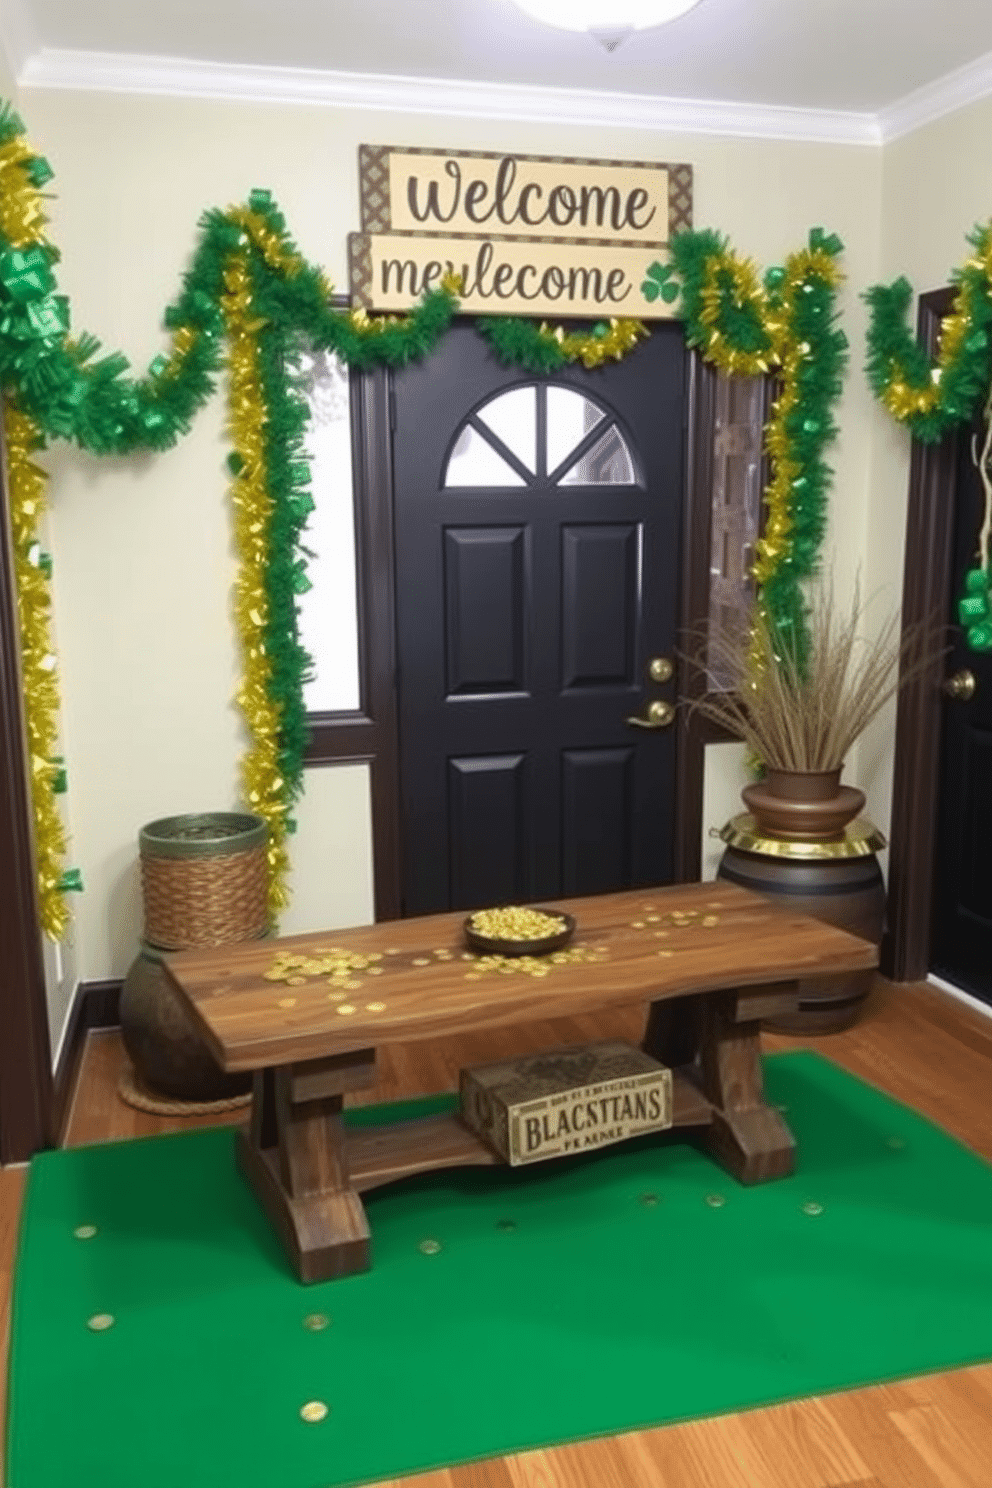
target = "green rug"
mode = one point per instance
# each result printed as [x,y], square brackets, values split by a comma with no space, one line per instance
[567,1300]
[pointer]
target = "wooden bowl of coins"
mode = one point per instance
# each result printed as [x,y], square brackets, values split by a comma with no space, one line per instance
[514,930]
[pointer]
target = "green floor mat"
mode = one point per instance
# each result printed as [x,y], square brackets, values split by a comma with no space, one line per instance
[571,1299]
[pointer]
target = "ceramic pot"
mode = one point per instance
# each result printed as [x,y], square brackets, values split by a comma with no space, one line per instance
[164,1046]
[803,805]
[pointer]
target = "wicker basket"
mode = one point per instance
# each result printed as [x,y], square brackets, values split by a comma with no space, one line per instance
[204,880]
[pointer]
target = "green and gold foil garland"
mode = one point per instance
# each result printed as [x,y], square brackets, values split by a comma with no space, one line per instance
[933,398]
[39,680]
[246,278]
[543,348]
[248,289]
[783,323]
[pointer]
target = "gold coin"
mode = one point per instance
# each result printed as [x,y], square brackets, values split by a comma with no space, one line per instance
[313,1411]
[346,1007]
[375,971]
[710,920]
[666,953]
[286,1002]
[393,951]
[316,1322]
[274,975]
[375,1007]
[715,1201]
[421,961]
[649,1200]
[296,981]
[336,996]
[100,1322]
[637,924]
[84,1232]
[429,1247]
[812,1208]
[352,986]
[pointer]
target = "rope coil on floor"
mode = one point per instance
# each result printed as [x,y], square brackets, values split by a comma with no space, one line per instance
[133,1093]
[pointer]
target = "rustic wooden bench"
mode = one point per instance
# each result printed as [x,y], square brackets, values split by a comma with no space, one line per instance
[711,959]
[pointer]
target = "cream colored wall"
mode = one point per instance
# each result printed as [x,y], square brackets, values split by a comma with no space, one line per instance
[936,185]
[143,551]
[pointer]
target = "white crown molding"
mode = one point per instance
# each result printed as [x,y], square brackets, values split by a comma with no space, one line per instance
[174,77]
[955,91]
[18,41]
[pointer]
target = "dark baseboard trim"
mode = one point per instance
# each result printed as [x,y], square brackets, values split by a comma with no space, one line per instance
[96,1005]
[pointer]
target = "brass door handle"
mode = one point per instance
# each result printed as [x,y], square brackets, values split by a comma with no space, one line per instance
[659,715]
[961,687]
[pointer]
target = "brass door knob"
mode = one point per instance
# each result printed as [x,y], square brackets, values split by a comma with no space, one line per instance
[961,687]
[660,669]
[659,715]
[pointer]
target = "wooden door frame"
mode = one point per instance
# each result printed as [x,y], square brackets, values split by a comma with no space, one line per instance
[905,952]
[26,1084]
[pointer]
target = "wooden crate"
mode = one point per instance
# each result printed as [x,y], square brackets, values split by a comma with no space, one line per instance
[566,1101]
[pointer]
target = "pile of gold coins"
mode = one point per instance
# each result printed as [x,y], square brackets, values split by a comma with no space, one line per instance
[535,966]
[342,968]
[515,923]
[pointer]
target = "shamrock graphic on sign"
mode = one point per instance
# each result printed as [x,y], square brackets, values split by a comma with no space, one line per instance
[660,281]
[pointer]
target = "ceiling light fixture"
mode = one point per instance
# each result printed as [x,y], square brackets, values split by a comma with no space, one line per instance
[610,23]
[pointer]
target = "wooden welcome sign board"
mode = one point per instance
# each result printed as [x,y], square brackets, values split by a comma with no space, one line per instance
[527,234]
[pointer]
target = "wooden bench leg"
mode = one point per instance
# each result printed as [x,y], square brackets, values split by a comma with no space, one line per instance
[747,1136]
[294,1155]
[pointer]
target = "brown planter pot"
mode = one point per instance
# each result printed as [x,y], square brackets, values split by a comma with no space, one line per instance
[809,850]
[803,805]
[204,881]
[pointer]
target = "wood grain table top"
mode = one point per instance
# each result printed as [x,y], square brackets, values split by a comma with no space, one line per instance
[415,979]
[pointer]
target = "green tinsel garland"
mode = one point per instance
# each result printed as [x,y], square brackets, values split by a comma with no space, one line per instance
[784,323]
[933,398]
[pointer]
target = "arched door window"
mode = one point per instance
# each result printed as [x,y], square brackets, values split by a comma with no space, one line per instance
[541,435]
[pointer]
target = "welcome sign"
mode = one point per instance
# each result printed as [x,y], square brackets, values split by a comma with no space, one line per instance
[527,234]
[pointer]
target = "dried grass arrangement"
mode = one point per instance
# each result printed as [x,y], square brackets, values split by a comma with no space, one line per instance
[797,716]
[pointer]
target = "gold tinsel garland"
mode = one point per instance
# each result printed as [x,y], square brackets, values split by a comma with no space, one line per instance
[39,678]
[903,401]
[252,503]
[593,350]
[786,355]
[22,217]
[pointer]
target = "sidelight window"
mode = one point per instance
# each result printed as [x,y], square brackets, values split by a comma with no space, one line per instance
[542,435]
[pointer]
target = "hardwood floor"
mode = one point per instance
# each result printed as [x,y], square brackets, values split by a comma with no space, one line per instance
[914,1042]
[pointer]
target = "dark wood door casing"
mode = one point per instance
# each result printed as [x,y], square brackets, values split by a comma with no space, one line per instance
[905,955]
[26,1106]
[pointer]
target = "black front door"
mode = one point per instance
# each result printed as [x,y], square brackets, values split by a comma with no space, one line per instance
[537,529]
[962,912]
